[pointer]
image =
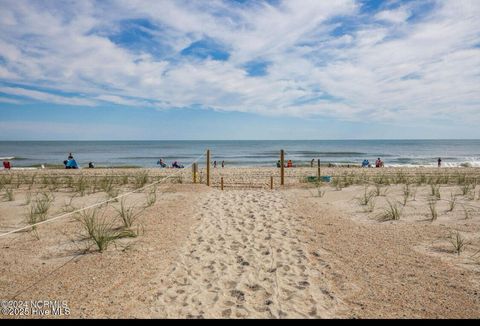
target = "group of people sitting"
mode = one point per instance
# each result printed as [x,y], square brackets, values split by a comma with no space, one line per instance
[288,165]
[175,164]
[378,163]
[70,163]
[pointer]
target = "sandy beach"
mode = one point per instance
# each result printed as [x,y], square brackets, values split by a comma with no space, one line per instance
[302,250]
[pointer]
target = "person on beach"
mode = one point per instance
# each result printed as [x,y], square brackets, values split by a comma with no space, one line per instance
[289,164]
[90,165]
[223,164]
[311,162]
[176,165]
[161,163]
[365,164]
[279,164]
[439,162]
[214,164]
[6,165]
[379,163]
[70,156]
[71,164]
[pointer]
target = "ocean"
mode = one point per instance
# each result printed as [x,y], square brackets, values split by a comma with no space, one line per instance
[406,153]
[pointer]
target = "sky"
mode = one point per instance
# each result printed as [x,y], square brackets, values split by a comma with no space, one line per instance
[239,69]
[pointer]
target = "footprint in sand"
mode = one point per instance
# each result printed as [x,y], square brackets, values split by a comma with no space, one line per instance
[246,259]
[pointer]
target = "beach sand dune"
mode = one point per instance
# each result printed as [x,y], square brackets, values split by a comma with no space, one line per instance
[302,250]
[246,258]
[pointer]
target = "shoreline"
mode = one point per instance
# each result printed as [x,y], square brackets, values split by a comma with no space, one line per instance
[238,166]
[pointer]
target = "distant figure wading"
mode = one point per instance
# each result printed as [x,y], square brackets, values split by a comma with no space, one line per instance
[439,162]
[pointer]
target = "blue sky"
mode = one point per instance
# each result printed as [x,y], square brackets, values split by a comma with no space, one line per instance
[346,69]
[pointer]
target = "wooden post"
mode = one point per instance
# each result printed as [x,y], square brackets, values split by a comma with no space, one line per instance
[195,172]
[319,170]
[221,182]
[271,182]
[208,167]
[282,167]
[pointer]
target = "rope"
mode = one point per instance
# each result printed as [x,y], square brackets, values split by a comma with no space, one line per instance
[101,203]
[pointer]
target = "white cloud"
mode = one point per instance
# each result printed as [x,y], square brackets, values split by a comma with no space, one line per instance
[383,68]
[396,16]
[46,97]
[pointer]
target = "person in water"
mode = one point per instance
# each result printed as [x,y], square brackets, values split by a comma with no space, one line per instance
[223,164]
[439,161]
[214,164]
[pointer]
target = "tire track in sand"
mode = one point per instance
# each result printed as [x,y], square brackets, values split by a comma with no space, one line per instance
[245,259]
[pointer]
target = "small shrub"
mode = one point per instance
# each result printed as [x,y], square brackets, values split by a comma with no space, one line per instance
[467,212]
[141,179]
[68,206]
[391,213]
[28,198]
[435,191]
[81,186]
[458,242]
[40,206]
[365,198]
[100,230]
[371,205]
[151,197]
[127,215]
[406,194]
[452,202]
[432,205]
[465,189]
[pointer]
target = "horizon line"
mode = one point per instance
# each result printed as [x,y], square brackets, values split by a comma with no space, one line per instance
[207,140]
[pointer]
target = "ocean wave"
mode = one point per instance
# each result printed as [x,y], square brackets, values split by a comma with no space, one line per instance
[15,158]
[458,164]
[156,157]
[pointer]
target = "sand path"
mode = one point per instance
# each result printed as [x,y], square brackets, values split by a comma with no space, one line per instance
[246,258]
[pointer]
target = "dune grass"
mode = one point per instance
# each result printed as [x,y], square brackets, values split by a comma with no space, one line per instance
[452,202]
[100,230]
[40,206]
[458,242]
[432,205]
[366,197]
[151,196]
[9,194]
[140,179]
[127,215]
[435,191]
[391,213]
